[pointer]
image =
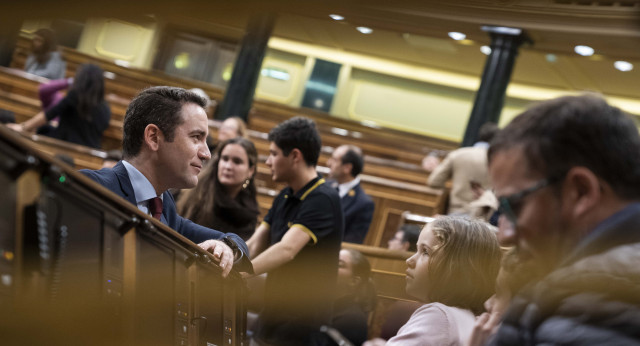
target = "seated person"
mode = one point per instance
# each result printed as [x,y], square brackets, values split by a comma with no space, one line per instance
[453,272]
[84,114]
[164,147]
[356,296]
[225,198]
[45,60]
[230,128]
[345,166]
[466,167]
[405,238]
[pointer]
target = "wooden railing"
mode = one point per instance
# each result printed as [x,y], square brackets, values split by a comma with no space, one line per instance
[86,267]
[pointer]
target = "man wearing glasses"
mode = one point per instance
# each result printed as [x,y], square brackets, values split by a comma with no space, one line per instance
[567,175]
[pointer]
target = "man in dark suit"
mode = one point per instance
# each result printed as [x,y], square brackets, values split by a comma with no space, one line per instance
[164,147]
[345,165]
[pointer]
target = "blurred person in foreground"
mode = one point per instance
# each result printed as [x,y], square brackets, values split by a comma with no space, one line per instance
[567,175]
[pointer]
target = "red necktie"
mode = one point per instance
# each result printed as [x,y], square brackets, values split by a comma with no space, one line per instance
[155,207]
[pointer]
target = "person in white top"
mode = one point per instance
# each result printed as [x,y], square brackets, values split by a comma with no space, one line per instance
[453,272]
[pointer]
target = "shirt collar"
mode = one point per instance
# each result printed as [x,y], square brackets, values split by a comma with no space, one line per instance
[142,188]
[343,189]
[481,144]
[603,228]
[310,186]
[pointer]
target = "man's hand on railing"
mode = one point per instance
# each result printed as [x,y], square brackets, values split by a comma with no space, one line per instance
[221,252]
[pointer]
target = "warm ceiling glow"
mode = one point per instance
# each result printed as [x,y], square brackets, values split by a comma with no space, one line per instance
[486,50]
[336,17]
[364,29]
[623,66]
[584,50]
[457,35]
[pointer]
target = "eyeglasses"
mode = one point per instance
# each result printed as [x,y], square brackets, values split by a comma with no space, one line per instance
[510,205]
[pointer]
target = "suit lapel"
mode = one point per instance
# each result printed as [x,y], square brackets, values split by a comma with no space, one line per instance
[349,198]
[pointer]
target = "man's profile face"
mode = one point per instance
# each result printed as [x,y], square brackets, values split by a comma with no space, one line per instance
[281,166]
[538,227]
[182,159]
[336,168]
[396,243]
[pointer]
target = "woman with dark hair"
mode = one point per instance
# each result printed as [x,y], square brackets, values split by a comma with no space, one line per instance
[356,296]
[83,114]
[453,272]
[44,60]
[225,198]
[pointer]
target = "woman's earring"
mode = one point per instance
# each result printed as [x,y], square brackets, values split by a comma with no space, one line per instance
[246,183]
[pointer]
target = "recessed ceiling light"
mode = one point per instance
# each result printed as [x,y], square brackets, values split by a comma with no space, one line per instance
[364,29]
[551,57]
[502,30]
[584,50]
[623,66]
[486,50]
[336,17]
[457,35]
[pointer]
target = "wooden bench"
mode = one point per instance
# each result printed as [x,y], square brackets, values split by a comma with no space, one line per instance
[24,107]
[381,142]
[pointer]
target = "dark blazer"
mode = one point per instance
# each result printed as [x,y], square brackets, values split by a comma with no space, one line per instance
[117,180]
[358,213]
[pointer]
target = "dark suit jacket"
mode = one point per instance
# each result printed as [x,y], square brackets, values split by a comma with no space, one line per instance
[117,180]
[358,213]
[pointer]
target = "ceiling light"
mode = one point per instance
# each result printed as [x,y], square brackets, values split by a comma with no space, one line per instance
[457,35]
[584,50]
[504,30]
[486,50]
[623,66]
[551,57]
[336,17]
[364,29]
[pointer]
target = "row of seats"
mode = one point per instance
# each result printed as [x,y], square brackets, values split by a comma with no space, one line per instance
[393,188]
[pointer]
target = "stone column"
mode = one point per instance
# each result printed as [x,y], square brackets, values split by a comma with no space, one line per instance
[495,79]
[246,70]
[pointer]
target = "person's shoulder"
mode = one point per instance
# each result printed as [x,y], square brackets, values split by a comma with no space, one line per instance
[469,151]
[323,191]
[103,176]
[433,311]
[363,194]
[55,55]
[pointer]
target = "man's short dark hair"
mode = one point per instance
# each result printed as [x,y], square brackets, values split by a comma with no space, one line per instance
[300,133]
[410,234]
[353,155]
[487,131]
[572,131]
[160,106]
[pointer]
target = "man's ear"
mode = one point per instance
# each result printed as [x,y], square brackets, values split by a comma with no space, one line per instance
[406,245]
[152,137]
[346,168]
[582,190]
[296,155]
